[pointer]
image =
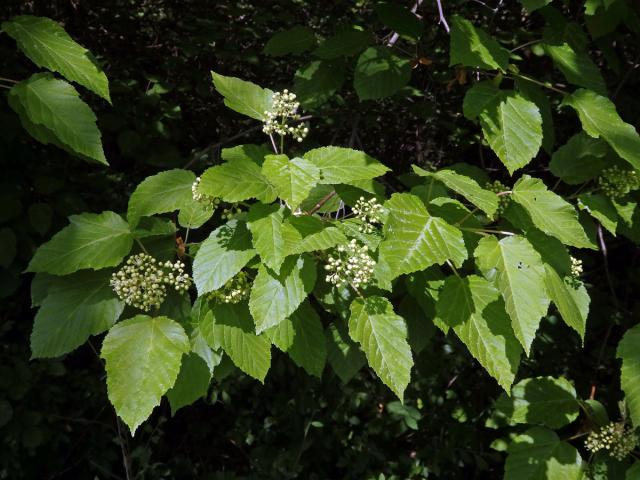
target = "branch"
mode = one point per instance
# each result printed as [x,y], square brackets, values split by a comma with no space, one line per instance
[443,20]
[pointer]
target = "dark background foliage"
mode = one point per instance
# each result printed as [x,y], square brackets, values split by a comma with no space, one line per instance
[55,419]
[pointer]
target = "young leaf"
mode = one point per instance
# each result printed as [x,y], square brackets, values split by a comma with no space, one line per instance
[629,353]
[379,73]
[577,67]
[383,337]
[414,240]
[243,97]
[518,272]
[265,225]
[295,40]
[161,193]
[550,212]
[76,307]
[473,308]
[293,179]
[192,383]
[473,47]
[90,241]
[344,165]
[274,297]
[580,159]
[52,112]
[343,354]
[142,356]
[572,301]
[47,45]
[237,180]
[600,119]
[221,256]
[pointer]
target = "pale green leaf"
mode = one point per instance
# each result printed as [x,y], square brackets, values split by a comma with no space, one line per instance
[344,165]
[518,272]
[600,119]
[265,225]
[600,208]
[243,97]
[538,454]
[550,212]
[248,151]
[343,44]
[580,159]
[475,311]
[192,383]
[47,45]
[237,180]
[293,179]
[572,300]
[295,40]
[195,214]
[274,297]
[221,256]
[161,193]
[379,73]
[76,307]
[143,356]
[577,67]
[343,354]
[383,337]
[414,240]
[473,47]
[629,353]
[90,241]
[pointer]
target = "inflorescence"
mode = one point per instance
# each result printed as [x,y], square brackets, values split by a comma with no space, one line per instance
[143,281]
[283,110]
[369,212]
[503,200]
[573,279]
[351,265]
[616,182]
[616,439]
[234,291]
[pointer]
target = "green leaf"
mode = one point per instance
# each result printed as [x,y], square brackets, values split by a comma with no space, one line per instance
[8,243]
[318,81]
[221,256]
[265,225]
[47,45]
[192,383]
[550,212]
[399,19]
[295,40]
[343,354]
[243,97]
[473,47]
[532,5]
[237,180]
[600,119]
[538,454]
[229,326]
[90,241]
[343,44]
[600,208]
[76,307]
[249,151]
[142,356]
[475,311]
[274,297]
[308,233]
[629,353]
[582,158]
[571,300]
[513,130]
[161,193]
[301,336]
[634,472]
[52,112]
[485,200]
[518,272]
[379,73]
[383,337]
[480,98]
[195,214]
[544,401]
[293,179]
[532,92]
[577,67]
[414,240]
[340,165]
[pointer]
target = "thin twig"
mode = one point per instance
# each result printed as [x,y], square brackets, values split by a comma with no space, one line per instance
[10,80]
[125,456]
[322,201]
[443,20]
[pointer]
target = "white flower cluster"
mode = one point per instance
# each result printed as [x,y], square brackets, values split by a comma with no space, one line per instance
[369,212]
[234,291]
[352,265]
[284,108]
[142,282]
[616,439]
[205,200]
[573,279]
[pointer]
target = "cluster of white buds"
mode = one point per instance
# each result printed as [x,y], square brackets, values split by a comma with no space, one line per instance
[205,200]
[234,291]
[573,279]
[369,212]
[616,182]
[503,200]
[284,109]
[351,265]
[142,282]
[616,439]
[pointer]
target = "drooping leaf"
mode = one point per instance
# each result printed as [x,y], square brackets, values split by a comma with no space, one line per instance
[243,97]
[475,311]
[293,179]
[274,297]
[76,307]
[344,165]
[343,354]
[52,111]
[550,212]
[90,241]
[538,454]
[237,180]
[221,256]
[518,272]
[629,353]
[294,40]
[572,300]
[580,159]
[143,356]
[47,45]
[192,382]
[414,240]
[577,67]
[161,193]
[265,225]
[379,73]
[383,337]
[473,47]
[343,44]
